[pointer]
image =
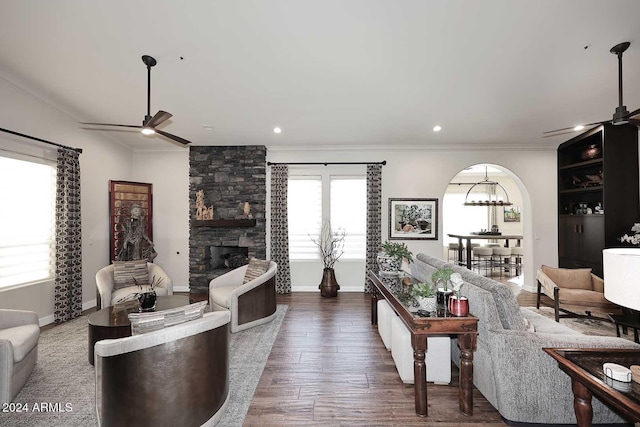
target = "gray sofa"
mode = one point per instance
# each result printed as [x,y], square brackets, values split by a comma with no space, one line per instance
[509,367]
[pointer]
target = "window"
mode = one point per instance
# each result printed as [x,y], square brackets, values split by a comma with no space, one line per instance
[27,221]
[315,198]
[461,219]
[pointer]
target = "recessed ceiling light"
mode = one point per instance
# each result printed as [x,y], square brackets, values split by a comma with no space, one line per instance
[277,130]
[579,127]
[437,128]
[207,127]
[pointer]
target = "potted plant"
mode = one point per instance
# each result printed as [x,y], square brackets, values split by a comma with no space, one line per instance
[441,279]
[331,247]
[425,296]
[391,256]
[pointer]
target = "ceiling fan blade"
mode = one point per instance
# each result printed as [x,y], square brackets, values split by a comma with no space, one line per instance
[175,138]
[634,113]
[111,124]
[158,118]
[634,122]
[573,127]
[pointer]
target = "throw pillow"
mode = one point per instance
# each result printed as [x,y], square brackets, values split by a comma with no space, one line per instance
[127,273]
[528,326]
[569,278]
[148,322]
[255,269]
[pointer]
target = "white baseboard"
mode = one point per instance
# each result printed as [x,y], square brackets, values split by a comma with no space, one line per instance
[46,320]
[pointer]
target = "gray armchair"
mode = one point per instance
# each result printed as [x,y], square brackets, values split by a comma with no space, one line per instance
[175,376]
[19,334]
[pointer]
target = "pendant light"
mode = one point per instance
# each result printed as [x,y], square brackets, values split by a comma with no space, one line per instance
[487,194]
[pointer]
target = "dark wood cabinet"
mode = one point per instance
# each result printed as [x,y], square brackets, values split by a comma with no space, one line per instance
[597,193]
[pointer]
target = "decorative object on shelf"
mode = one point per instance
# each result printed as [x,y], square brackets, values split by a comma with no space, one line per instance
[633,239]
[247,210]
[202,211]
[425,296]
[413,219]
[441,279]
[331,247]
[458,306]
[391,256]
[591,152]
[147,301]
[486,194]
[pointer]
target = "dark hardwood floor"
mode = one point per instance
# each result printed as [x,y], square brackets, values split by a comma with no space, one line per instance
[328,366]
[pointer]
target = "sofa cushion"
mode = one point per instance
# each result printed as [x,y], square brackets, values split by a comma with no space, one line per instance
[569,278]
[23,339]
[255,269]
[222,295]
[130,273]
[584,298]
[152,321]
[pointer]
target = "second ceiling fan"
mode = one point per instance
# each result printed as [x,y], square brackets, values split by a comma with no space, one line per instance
[622,116]
[150,123]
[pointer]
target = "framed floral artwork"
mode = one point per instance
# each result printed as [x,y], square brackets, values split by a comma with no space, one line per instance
[413,219]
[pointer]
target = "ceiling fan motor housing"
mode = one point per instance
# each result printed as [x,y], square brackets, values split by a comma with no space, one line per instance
[621,116]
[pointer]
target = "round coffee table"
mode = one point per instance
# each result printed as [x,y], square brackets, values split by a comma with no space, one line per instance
[114,323]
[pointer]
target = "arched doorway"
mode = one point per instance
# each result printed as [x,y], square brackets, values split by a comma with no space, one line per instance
[475,216]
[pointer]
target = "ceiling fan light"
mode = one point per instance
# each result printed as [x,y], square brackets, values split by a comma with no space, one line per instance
[148,131]
[578,127]
[437,128]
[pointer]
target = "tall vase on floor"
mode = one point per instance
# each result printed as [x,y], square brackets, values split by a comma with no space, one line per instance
[329,286]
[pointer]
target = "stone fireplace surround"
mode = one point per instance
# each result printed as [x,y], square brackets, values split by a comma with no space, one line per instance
[229,176]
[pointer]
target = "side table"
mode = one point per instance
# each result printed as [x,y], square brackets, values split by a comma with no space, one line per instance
[625,322]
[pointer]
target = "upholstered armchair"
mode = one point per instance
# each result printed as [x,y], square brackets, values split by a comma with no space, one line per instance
[19,334]
[252,303]
[175,376]
[576,288]
[108,295]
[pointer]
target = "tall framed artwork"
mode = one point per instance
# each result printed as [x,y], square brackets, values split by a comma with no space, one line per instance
[130,220]
[415,219]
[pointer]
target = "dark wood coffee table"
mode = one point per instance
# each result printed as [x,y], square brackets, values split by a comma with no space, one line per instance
[584,366]
[113,322]
[441,323]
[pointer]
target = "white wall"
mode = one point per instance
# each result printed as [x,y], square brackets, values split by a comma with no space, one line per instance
[168,171]
[102,159]
[425,173]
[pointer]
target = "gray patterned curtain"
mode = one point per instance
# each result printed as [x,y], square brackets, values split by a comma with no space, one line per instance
[68,271]
[280,227]
[374,219]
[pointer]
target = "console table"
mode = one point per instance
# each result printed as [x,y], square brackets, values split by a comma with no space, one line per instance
[395,290]
[584,366]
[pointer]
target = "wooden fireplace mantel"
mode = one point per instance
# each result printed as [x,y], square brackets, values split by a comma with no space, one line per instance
[224,223]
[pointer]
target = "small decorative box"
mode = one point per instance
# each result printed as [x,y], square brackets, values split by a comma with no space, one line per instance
[617,372]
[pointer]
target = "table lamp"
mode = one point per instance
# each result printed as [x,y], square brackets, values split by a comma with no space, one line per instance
[622,279]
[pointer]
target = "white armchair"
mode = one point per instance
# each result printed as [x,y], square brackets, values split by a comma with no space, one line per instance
[251,304]
[107,296]
[19,334]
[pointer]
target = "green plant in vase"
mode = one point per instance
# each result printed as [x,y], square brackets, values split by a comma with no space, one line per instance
[425,296]
[391,256]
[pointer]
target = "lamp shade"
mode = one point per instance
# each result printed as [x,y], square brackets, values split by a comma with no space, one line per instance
[622,276]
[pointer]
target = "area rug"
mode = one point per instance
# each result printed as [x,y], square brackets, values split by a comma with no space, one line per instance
[61,389]
[585,326]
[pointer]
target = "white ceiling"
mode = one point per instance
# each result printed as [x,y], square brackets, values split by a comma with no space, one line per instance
[338,73]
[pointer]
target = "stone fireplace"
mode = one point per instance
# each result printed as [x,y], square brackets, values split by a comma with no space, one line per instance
[229,177]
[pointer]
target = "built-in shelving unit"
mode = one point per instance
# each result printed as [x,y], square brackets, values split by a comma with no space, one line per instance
[597,193]
[224,223]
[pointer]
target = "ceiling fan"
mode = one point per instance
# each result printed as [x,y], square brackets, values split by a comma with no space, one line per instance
[149,124]
[622,116]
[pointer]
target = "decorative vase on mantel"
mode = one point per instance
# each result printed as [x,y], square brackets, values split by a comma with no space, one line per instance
[329,286]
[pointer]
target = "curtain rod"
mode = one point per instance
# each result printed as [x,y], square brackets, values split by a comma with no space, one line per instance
[79,150]
[384,162]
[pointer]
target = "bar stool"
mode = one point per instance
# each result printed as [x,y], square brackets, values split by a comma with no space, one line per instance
[500,259]
[453,247]
[516,259]
[482,258]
